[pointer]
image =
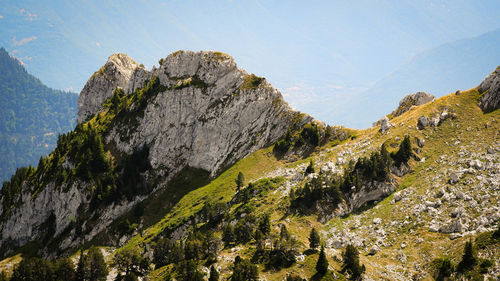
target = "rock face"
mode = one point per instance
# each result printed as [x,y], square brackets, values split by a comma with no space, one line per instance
[385,125]
[411,100]
[209,115]
[115,73]
[491,100]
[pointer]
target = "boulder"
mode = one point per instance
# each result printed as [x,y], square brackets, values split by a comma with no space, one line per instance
[373,250]
[420,142]
[385,125]
[397,196]
[454,178]
[423,121]
[476,164]
[455,226]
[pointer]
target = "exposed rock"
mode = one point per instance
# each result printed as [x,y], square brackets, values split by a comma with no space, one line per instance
[423,121]
[115,73]
[435,121]
[400,171]
[454,178]
[373,250]
[476,164]
[457,212]
[455,226]
[420,142]
[490,150]
[385,125]
[402,258]
[371,191]
[207,124]
[409,101]
[397,196]
[491,99]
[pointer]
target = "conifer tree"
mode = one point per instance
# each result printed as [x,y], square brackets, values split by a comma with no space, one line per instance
[314,239]
[322,264]
[284,234]
[265,224]
[240,181]
[81,269]
[214,274]
[468,259]
[310,168]
[98,267]
[351,262]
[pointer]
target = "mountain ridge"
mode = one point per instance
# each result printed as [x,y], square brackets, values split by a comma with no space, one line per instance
[403,194]
[197,108]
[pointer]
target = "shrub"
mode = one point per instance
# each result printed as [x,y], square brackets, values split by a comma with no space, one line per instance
[251,82]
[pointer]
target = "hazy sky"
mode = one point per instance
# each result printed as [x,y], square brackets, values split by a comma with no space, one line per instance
[310,50]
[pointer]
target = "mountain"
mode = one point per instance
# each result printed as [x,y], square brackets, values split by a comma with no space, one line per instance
[438,71]
[198,168]
[141,132]
[31,118]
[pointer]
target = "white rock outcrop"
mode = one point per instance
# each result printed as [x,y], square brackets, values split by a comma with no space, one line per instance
[115,73]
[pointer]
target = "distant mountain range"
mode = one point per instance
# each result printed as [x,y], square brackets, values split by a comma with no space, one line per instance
[31,118]
[438,71]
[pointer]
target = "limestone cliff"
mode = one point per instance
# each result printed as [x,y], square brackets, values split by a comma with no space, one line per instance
[205,114]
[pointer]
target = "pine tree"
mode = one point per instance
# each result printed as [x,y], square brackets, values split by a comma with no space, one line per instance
[310,168]
[214,274]
[228,234]
[351,262]
[322,264]
[64,269]
[468,259]
[82,268]
[244,270]
[404,152]
[265,224]
[240,181]
[314,239]
[98,267]
[284,234]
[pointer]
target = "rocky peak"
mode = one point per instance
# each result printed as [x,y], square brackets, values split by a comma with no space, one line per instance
[491,99]
[408,101]
[207,66]
[115,73]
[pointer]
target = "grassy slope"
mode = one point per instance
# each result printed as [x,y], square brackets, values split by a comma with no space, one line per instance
[262,163]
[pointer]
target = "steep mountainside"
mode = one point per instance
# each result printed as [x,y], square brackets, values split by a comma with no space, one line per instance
[204,168]
[32,116]
[195,114]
